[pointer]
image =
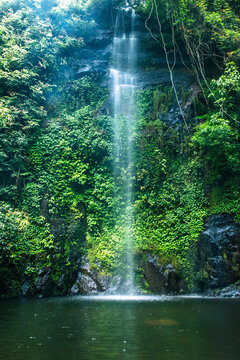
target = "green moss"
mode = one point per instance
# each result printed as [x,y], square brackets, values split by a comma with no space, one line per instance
[216,196]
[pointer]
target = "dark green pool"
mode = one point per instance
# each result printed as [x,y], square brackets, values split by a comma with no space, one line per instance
[95,328]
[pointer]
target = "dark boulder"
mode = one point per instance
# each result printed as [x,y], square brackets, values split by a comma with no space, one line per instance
[90,280]
[84,285]
[26,287]
[218,252]
[160,279]
[43,282]
[39,285]
[232,291]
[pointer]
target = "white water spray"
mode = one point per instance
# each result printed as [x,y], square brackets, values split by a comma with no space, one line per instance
[124,87]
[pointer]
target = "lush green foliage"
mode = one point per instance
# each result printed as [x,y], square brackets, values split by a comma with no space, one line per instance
[54,158]
[22,239]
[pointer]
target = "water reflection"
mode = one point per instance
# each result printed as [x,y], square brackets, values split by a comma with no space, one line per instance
[129,328]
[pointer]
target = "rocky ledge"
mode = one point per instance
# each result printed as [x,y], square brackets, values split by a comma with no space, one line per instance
[215,269]
[218,253]
[232,291]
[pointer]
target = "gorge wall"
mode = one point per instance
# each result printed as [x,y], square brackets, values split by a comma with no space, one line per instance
[62,230]
[214,257]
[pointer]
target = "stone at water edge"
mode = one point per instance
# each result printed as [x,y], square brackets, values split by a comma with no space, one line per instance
[218,252]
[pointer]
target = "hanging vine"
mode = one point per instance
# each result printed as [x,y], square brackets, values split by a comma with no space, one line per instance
[200,25]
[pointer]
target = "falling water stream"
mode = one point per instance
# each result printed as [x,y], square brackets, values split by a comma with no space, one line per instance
[124,87]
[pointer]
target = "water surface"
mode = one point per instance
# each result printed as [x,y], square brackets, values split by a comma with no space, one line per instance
[95,328]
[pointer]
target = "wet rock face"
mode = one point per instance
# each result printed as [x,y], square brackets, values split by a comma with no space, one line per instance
[89,281]
[84,285]
[218,252]
[43,281]
[230,291]
[95,59]
[161,279]
[42,285]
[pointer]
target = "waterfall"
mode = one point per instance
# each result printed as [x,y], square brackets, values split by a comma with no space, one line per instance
[124,87]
